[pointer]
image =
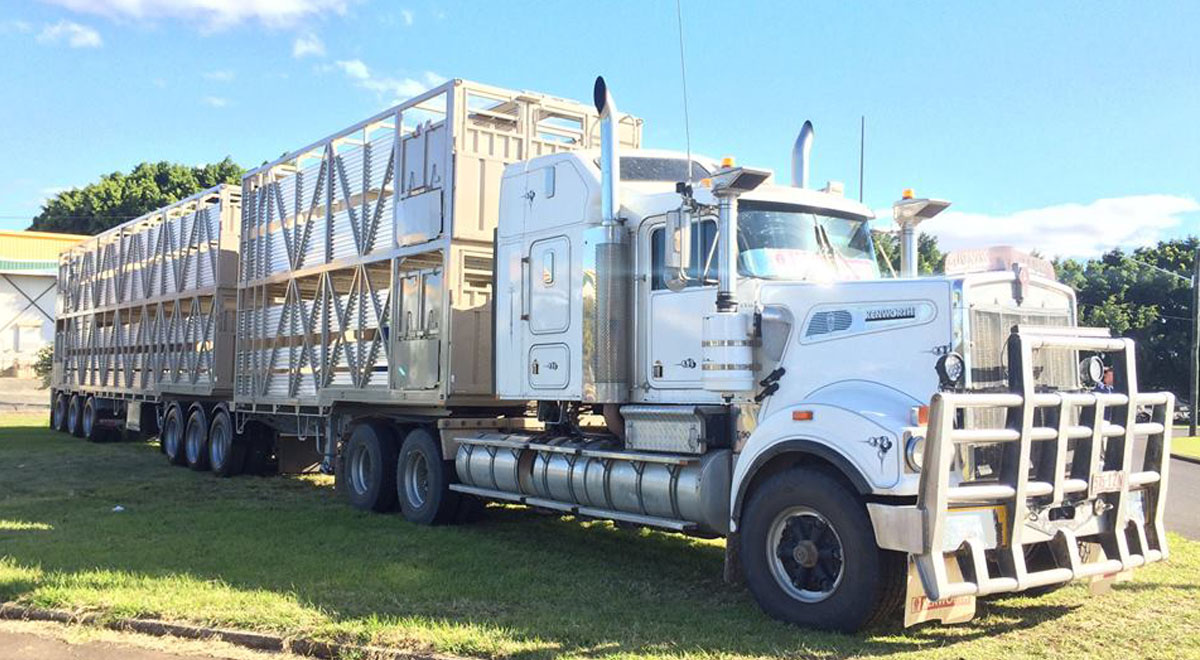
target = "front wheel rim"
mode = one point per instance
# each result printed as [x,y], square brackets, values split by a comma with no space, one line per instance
[416,479]
[805,554]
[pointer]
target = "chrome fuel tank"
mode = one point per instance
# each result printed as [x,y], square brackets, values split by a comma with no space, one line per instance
[597,478]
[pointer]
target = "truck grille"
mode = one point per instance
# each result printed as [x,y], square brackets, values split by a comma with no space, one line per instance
[989,331]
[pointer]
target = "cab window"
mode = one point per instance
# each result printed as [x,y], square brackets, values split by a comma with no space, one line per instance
[703,270]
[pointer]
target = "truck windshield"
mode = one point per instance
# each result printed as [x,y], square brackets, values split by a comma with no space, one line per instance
[781,241]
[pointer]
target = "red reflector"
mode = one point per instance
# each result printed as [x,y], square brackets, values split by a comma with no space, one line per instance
[802,415]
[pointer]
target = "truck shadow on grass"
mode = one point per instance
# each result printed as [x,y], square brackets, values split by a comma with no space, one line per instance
[284,554]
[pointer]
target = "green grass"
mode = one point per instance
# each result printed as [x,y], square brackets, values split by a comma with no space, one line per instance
[1188,447]
[284,555]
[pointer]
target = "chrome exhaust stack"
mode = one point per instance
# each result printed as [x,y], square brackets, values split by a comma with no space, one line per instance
[606,305]
[610,153]
[800,155]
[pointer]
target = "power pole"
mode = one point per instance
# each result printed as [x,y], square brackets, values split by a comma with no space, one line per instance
[1194,364]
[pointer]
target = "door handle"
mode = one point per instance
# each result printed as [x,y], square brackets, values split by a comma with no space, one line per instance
[525,288]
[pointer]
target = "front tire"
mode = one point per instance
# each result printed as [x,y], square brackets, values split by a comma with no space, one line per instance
[809,554]
[423,481]
[366,470]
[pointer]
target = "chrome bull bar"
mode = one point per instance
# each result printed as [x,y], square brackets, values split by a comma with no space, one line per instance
[1101,471]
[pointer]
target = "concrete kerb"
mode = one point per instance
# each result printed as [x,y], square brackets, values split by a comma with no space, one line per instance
[1185,459]
[257,641]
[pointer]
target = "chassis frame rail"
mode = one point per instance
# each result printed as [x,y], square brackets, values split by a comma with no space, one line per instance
[1101,471]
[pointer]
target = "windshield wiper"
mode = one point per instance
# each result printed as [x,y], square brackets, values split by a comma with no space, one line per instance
[832,254]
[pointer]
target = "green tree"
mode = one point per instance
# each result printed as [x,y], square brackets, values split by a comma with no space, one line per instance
[1122,292]
[929,257]
[118,197]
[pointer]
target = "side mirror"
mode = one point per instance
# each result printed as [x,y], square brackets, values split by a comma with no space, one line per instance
[678,258]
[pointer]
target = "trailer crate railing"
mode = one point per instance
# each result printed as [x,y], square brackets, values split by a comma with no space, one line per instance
[148,306]
[367,255]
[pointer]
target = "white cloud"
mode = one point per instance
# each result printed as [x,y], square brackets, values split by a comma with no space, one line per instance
[407,15]
[308,44]
[219,76]
[212,13]
[1068,230]
[19,26]
[216,101]
[356,69]
[74,34]
[389,88]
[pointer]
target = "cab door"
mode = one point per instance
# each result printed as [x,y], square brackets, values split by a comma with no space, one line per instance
[674,318]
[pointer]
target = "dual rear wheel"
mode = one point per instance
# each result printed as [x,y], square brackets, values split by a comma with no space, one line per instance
[378,471]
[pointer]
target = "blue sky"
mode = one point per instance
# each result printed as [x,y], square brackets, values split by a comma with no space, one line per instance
[1070,127]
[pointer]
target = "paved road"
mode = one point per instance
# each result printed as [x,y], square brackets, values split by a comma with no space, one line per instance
[1183,499]
[24,646]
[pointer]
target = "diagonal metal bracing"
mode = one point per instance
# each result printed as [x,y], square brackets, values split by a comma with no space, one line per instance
[351,215]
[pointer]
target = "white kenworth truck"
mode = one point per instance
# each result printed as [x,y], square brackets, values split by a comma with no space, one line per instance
[491,295]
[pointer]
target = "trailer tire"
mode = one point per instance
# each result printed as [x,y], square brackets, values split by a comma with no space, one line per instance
[226,449]
[423,481]
[58,416]
[366,470]
[809,554]
[172,435]
[91,415]
[75,416]
[196,440]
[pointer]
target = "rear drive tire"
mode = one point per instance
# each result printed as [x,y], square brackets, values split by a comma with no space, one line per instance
[172,435]
[75,416]
[423,481]
[195,440]
[226,449]
[58,416]
[809,554]
[366,470]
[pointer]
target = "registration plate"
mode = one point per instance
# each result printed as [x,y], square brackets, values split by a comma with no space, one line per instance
[1108,482]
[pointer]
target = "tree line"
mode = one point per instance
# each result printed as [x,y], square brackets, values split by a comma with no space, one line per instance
[1119,290]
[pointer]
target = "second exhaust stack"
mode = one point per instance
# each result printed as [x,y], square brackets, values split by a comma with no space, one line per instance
[800,155]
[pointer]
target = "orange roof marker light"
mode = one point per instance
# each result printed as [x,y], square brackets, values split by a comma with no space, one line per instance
[727,162]
[907,194]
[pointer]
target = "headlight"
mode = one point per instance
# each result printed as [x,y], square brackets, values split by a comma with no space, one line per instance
[950,370]
[914,452]
[1091,370]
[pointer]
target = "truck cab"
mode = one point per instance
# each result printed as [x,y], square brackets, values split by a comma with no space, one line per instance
[712,316]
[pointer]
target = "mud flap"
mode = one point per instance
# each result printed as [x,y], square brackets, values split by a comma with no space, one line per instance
[919,609]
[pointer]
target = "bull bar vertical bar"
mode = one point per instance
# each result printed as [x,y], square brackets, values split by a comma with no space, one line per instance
[1103,453]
